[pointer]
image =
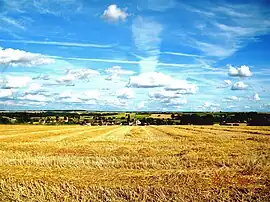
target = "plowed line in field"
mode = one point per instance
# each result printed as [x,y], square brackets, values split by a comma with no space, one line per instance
[257,132]
[81,135]
[158,134]
[220,130]
[33,131]
[172,132]
[148,134]
[113,135]
[38,133]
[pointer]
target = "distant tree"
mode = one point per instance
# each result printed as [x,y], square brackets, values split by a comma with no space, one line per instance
[172,116]
[4,120]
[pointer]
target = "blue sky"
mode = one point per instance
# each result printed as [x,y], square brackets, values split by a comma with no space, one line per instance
[161,55]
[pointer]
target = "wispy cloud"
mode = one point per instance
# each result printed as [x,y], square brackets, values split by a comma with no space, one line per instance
[147,38]
[124,61]
[59,43]
[222,38]
[12,22]
[56,7]
[180,54]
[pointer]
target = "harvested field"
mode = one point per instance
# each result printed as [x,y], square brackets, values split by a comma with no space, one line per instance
[134,163]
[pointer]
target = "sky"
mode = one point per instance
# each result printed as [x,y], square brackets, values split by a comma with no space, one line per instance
[143,55]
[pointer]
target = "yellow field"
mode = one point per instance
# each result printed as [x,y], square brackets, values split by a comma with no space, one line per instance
[151,163]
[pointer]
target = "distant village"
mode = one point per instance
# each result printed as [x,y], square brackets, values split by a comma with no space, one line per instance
[85,118]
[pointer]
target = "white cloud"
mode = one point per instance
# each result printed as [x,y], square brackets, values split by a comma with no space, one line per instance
[5,93]
[57,7]
[84,74]
[149,80]
[38,98]
[242,71]
[232,98]
[125,61]
[182,86]
[14,57]
[115,72]
[66,94]
[17,81]
[147,38]
[76,74]
[244,23]
[180,54]
[141,105]
[225,84]
[90,95]
[256,97]
[215,50]
[239,86]
[113,13]
[156,5]
[65,79]
[12,22]
[125,93]
[149,64]
[177,102]
[42,77]
[87,97]
[228,82]
[69,97]
[163,95]
[213,106]
[58,43]
[36,89]
[157,79]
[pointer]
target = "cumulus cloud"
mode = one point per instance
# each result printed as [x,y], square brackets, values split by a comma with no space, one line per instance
[37,98]
[66,94]
[162,94]
[225,84]
[4,93]
[35,89]
[115,72]
[44,77]
[86,97]
[12,57]
[232,98]
[67,79]
[84,74]
[113,13]
[149,80]
[242,71]
[17,81]
[182,86]
[256,97]
[209,106]
[77,74]
[141,105]
[125,93]
[69,97]
[177,102]
[90,95]
[157,79]
[239,86]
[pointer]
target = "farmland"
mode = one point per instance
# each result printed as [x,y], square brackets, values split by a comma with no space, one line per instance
[134,163]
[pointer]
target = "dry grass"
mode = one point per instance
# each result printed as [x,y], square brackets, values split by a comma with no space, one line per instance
[153,163]
[161,116]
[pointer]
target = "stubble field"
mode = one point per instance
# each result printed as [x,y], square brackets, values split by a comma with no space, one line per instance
[134,163]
